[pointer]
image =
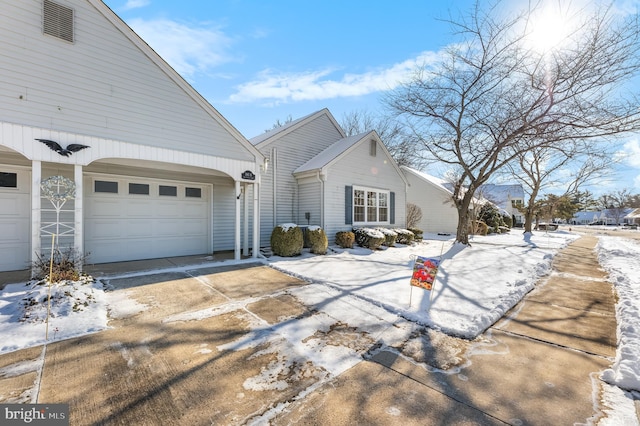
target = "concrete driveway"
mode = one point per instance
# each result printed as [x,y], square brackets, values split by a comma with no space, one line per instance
[214,346]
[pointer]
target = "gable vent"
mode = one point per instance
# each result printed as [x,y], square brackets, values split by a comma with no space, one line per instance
[57,21]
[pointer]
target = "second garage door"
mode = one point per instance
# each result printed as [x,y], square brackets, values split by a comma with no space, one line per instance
[133,219]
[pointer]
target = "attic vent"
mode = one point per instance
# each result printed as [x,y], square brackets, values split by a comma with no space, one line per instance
[57,21]
[372,147]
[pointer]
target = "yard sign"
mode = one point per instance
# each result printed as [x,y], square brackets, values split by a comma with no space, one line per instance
[425,270]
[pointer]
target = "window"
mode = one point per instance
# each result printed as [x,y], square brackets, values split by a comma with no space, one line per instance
[169,191]
[57,21]
[373,145]
[105,186]
[516,203]
[8,180]
[193,192]
[139,188]
[370,206]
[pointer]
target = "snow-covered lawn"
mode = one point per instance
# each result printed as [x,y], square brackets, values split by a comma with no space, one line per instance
[475,286]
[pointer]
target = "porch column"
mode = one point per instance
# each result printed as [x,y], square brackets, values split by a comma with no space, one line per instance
[78,234]
[36,216]
[256,220]
[236,254]
[245,240]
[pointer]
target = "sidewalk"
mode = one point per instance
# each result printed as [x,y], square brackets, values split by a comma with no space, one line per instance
[539,365]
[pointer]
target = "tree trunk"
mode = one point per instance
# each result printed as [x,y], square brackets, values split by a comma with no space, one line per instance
[462,232]
[528,214]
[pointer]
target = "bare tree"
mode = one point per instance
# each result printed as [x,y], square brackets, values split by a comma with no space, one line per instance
[414,215]
[616,203]
[491,99]
[567,166]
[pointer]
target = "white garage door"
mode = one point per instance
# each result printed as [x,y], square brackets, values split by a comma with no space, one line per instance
[15,219]
[137,218]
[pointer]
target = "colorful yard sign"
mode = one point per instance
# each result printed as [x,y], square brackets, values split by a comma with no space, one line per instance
[424,272]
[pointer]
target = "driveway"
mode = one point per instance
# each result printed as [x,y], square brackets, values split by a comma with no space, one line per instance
[236,345]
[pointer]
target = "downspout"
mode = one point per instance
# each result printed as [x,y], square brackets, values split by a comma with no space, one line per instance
[322,178]
[274,168]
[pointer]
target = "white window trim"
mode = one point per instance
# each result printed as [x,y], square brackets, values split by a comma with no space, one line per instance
[378,191]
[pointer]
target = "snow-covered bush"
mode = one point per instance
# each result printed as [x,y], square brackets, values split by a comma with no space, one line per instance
[345,239]
[65,266]
[404,236]
[287,240]
[390,236]
[368,237]
[316,239]
[417,233]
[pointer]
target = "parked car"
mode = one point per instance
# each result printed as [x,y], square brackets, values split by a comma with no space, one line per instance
[630,226]
[547,227]
[597,222]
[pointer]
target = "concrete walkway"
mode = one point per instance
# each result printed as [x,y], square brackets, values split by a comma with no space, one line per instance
[539,365]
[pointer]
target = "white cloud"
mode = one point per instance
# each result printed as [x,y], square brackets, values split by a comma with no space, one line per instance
[631,153]
[135,4]
[189,49]
[277,87]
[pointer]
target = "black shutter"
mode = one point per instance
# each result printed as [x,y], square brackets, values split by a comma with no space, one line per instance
[348,205]
[392,208]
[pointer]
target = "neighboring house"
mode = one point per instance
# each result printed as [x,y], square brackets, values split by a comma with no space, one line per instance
[508,198]
[633,217]
[604,217]
[434,197]
[163,171]
[319,176]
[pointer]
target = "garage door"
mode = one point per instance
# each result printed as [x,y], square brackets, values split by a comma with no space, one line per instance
[15,220]
[132,219]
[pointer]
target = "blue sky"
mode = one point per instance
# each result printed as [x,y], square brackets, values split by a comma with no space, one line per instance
[258,62]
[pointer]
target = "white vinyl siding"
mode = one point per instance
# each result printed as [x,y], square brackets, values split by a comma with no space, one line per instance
[439,215]
[310,202]
[360,170]
[101,85]
[292,150]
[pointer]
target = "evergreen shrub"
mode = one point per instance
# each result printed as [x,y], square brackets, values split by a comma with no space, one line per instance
[417,233]
[390,236]
[345,239]
[369,238]
[316,239]
[287,240]
[404,236]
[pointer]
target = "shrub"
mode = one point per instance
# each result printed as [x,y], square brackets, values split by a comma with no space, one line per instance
[417,233]
[404,236]
[390,236]
[287,240]
[66,265]
[479,228]
[368,237]
[345,239]
[414,215]
[316,239]
[507,220]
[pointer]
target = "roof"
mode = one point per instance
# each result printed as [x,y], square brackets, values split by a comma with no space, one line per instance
[274,134]
[332,152]
[440,184]
[172,74]
[502,194]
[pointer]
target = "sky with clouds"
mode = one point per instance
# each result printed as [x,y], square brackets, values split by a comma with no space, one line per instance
[262,62]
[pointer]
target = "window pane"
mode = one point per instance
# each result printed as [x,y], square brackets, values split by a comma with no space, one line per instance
[193,192]
[105,186]
[383,214]
[171,191]
[358,214]
[139,188]
[8,180]
[358,205]
[372,206]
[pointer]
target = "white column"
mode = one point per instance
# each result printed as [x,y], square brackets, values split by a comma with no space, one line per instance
[245,240]
[36,216]
[256,220]
[78,235]
[236,254]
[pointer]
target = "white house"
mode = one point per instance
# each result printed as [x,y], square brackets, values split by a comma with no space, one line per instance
[319,176]
[162,173]
[435,199]
[506,197]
